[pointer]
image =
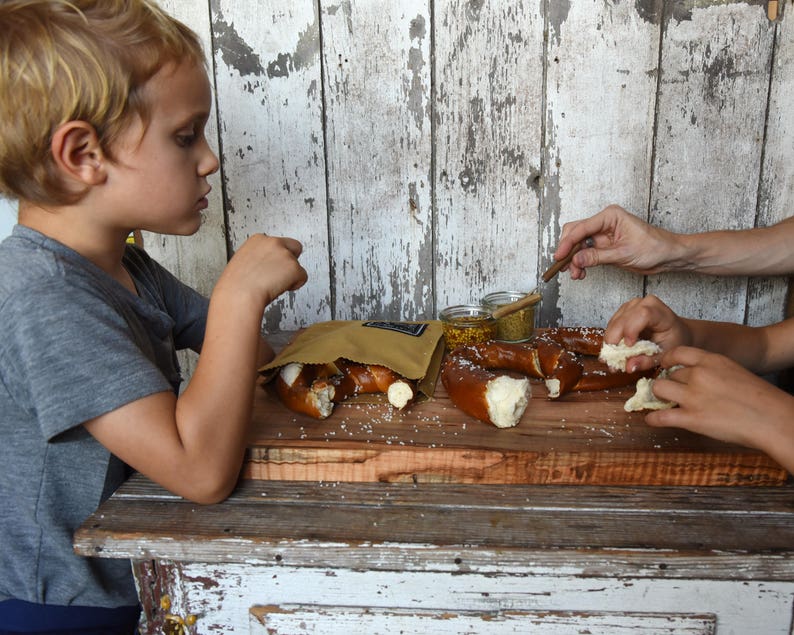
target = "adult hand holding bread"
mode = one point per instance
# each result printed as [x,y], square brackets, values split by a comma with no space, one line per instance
[715,385]
[712,375]
[719,398]
[647,319]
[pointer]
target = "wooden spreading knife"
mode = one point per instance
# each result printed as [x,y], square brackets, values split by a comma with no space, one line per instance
[555,268]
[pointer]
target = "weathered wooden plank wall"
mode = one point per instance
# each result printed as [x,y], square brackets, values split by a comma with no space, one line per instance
[487,177]
[712,108]
[429,151]
[602,77]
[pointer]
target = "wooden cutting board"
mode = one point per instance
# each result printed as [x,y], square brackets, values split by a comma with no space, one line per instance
[582,438]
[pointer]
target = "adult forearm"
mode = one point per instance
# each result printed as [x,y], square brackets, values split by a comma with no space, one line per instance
[744,344]
[753,252]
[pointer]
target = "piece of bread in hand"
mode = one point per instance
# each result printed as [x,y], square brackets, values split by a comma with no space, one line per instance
[644,399]
[616,355]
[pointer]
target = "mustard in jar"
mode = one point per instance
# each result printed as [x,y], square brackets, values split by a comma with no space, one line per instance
[467,324]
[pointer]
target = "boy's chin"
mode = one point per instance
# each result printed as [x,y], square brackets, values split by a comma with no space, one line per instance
[187,228]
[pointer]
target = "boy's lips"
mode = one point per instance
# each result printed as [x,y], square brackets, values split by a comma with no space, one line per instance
[203,203]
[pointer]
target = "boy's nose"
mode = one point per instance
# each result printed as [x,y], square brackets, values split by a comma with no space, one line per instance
[209,163]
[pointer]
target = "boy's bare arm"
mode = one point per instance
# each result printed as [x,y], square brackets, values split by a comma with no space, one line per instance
[194,445]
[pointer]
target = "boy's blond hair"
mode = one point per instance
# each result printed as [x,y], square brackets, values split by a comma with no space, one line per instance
[83,60]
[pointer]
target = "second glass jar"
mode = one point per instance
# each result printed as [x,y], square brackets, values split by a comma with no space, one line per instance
[515,327]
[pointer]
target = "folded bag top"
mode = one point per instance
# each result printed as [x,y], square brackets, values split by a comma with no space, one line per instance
[411,349]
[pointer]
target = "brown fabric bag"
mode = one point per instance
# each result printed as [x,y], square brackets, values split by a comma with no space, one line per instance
[412,349]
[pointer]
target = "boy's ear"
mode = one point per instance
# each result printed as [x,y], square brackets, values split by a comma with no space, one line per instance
[78,154]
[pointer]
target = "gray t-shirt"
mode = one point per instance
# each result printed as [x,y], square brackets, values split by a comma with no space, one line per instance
[74,344]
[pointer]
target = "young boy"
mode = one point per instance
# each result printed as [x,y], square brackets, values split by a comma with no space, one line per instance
[103,105]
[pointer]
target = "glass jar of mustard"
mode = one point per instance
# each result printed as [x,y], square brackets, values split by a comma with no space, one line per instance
[514,327]
[467,324]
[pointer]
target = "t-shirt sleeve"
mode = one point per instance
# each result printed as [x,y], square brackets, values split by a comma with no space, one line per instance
[68,356]
[187,307]
[189,310]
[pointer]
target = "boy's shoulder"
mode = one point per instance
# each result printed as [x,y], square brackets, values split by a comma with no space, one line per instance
[33,266]
[26,256]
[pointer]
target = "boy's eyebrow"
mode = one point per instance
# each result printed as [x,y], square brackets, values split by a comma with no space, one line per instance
[197,116]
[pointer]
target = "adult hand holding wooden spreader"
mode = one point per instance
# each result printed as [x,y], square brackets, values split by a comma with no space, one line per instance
[557,266]
[534,297]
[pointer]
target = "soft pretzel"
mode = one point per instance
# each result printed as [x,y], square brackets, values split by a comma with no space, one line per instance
[294,384]
[579,339]
[313,389]
[470,373]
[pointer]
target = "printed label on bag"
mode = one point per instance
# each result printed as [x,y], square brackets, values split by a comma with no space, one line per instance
[414,330]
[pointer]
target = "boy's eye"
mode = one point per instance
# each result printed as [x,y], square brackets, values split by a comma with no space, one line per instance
[189,133]
[184,140]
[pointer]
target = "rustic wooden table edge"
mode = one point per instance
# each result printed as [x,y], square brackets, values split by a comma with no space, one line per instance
[628,531]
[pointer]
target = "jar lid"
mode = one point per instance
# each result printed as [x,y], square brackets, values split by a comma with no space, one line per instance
[465,311]
[503,297]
